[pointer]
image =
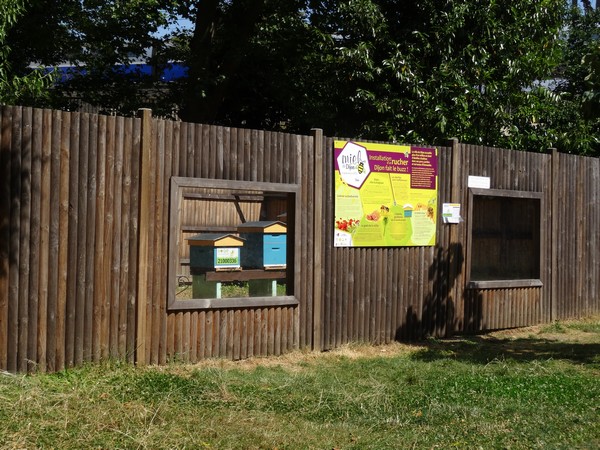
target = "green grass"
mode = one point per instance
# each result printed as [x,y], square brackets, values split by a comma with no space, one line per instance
[229,289]
[522,391]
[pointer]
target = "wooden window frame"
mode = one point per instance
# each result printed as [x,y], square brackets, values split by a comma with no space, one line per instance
[293,273]
[500,284]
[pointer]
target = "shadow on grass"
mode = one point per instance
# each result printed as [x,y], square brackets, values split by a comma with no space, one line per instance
[482,350]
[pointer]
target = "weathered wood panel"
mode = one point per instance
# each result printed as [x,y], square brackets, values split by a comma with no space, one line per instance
[63,202]
[382,294]
[219,153]
[514,171]
[576,236]
[83,275]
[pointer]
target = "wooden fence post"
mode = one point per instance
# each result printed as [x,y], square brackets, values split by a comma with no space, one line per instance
[318,239]
[455,291]
[144,219]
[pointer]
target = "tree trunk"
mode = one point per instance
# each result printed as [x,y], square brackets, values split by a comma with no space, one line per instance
[210,74]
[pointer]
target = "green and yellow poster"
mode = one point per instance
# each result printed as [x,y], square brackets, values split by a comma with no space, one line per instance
[385,195]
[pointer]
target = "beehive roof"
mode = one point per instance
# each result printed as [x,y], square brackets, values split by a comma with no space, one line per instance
[216,240]
[263,226]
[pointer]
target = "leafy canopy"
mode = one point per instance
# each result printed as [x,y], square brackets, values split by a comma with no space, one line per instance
[15,88]
[517,74]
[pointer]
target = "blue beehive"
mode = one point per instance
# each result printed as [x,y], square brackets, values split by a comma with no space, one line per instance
[265,246]
[214,251]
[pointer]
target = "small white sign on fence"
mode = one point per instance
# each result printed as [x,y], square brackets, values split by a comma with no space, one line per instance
[479,182]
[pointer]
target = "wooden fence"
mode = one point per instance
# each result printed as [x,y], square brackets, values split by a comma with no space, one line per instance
[84,236]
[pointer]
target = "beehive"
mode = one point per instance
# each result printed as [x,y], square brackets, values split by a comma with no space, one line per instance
[265,244]
[214,251]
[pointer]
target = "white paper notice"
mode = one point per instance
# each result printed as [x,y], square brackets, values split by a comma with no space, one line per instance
[479,182]
[451,212]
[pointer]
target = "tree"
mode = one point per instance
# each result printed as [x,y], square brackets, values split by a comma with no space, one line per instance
[578,129]
[425,71]
[96,36]
[406,71]
[15,88]
[592,95]
[500,72]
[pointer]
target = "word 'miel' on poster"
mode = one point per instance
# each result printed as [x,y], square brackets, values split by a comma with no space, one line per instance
[385,195]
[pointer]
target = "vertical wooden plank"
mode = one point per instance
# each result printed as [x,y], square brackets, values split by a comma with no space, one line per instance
[388,275]
[54,237]
[126,188]
[579,236]
[175,337]
[350,303]
[100,275]
[73,227]
[222,333]
[171,336]
[257,332]
[344,300]
[63,239]
[251,333]
[594,186]
[215,334]
[109,223]
[195,341]
[208,334]
[260,156]
[25,233]
[173,134]
[34,253]
[82,249]
[90,279]
[143,227]
[317,287]
[158,299]
[381,297]
[184,160]
[277,330]
[264,331]
[134,239]
[453,268]
[395,298]
[204,325]
[247,155]
[294,314]
[220,157]
[236,334]
[116,263]
[187,334]
[14,243]
[4,231]
[205,153]
[245,335]
[284,329]
[360,296]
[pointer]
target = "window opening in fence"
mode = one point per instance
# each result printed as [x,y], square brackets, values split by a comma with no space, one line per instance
[505,237]
[231,244]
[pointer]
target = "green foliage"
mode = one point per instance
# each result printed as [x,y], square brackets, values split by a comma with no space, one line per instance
[516,74]
[577,119]
[592,95]
[14,88]
[461,69]
[96,36]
